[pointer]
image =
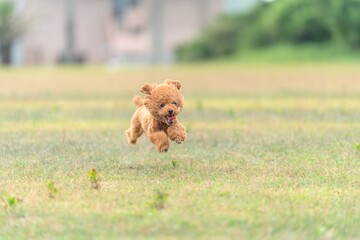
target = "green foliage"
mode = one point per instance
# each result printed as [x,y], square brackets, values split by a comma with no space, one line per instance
[347,21]
[219,39]
[158,201]
[94,179]
[52,189]
[6,15]
[296,22]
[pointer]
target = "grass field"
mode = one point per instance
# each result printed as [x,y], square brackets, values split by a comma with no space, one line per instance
[271,154]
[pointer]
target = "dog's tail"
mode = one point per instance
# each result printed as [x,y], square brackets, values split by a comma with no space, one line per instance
[138,101]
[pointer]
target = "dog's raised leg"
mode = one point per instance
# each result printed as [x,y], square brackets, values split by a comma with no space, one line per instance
[160,139]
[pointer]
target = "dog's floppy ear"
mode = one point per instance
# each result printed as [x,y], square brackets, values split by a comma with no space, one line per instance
[147,88]
[176,83]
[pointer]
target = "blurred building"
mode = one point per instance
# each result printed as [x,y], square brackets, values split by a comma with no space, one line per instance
[118,31]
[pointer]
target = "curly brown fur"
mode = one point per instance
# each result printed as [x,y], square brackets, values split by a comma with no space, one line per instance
[157,115]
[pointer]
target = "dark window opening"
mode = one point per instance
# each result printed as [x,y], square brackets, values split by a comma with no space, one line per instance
[120,7]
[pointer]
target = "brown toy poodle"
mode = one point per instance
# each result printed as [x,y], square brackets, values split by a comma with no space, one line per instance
[156,115]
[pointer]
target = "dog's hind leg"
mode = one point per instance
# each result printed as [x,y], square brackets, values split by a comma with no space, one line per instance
[160,139]
[135,130]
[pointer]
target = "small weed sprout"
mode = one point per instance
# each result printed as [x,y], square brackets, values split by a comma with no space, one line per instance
[357,146]
[199,106]
[11,201]
[231,113]
[159,200]
[188,128]
[94,179]
[52,189]
[174,163]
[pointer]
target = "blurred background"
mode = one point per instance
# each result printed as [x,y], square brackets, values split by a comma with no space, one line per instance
[272,113]
[120,32]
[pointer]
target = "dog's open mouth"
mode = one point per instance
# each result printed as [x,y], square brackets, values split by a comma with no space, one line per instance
[170,119]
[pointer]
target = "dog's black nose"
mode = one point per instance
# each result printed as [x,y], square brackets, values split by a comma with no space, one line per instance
[170,111]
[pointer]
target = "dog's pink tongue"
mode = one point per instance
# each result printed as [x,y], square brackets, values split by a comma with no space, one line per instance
[170,119]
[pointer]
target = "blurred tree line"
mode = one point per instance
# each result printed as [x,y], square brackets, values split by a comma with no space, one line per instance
[294,22]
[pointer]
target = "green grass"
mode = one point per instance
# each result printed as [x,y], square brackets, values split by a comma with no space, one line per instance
[299,54]
[271,154]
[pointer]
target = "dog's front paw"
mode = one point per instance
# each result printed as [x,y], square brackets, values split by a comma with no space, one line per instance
[178,138]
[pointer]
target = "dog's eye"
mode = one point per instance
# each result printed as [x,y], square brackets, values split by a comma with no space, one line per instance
[174,103]
[162,105]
